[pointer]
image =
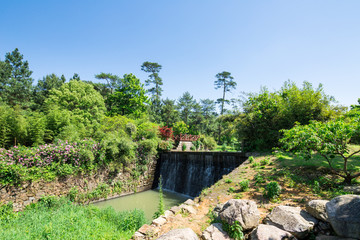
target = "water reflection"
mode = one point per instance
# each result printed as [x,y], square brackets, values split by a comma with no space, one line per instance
[147,201]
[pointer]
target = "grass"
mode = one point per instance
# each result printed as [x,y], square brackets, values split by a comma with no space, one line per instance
[317,161]
[60,219]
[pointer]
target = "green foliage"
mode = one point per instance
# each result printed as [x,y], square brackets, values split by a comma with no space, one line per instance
[251,159]
[7,212]
[169,113]
[161,207]
[272,190]
[166,145]
[180,128]
[193,148]
[329,140]
[266,113]
[208,142]
[244,185]
[231,189]
[53,218]
[128,99]
[228,180]
[15,80]
[234,230]
[185,105]
[76,103]
[226,83]
[43,87]
[183,147]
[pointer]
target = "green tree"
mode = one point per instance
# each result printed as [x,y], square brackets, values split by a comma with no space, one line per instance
[15,80]
[155,80]
[185,104]
[226,83]
[75,77]
[113,81]
[169,114]
[129,98]
[78,104]
[43,87]
[266,113]
[329,139]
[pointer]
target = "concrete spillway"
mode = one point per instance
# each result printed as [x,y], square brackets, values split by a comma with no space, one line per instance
[189,172]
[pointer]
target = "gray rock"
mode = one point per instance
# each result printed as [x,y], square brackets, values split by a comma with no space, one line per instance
[266,232]
[324,237]
[179,234]
[215,232]
[243,211]
[291,219]
[352,189]
[159,221]
[138,236]
[317,208]
[175,209]
[168,214]
[188,209]
[344,215]
[189,202]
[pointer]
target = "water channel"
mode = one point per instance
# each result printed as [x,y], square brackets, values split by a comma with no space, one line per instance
[148,201]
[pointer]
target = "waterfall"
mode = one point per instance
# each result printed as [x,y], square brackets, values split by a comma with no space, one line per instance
[190,172]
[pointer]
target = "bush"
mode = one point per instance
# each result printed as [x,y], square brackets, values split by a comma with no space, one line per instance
[193,148]
[166,145]
[183,147]
[244,185]
[272,190]
[209,143]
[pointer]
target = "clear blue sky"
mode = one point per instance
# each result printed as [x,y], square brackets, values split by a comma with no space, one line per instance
[262,43]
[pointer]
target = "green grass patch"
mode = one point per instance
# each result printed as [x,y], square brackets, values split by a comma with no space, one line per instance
[60,219]
[316,161]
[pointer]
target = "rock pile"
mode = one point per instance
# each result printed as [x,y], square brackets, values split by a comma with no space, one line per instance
[327,220]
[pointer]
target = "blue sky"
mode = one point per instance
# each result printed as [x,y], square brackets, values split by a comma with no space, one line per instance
[262,43]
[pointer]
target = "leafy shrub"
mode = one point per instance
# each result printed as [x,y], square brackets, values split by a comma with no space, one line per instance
[259,178]
[166,145]
[231,189]
[272,190]
[183,146]
[244,185]
[251,159]
[165,132]
[234,230]
[264,162]
[228,180]
[193,148]
[209,143]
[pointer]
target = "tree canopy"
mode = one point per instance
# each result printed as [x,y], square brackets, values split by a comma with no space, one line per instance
[15,79]
[128,98]
[327,139]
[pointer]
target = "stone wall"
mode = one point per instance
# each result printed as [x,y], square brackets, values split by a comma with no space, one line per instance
[29,192]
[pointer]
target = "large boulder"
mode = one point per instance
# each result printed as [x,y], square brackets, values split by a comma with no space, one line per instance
[243,211]
[292,219]
[344,215]
[266,232]
[179,234]
[317,208]
[215,232]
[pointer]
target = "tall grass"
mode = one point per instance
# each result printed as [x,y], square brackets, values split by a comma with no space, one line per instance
[60,219]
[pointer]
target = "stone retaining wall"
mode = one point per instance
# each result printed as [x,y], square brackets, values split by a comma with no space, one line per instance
[29,192]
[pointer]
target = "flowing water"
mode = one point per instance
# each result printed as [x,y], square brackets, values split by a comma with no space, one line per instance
[148,201]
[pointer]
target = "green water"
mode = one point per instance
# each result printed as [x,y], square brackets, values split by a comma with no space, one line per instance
[147,201]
